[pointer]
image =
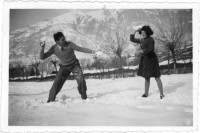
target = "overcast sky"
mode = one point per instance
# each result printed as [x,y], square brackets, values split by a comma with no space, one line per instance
[20,18]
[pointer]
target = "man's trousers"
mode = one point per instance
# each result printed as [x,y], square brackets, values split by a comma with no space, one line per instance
[62,76]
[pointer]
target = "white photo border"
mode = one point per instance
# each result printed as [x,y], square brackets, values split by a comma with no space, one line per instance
[61,4]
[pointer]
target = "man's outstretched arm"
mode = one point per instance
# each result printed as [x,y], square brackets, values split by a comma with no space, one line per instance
[47,54]
[80,49]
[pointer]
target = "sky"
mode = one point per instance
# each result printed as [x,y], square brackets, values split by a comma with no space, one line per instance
[20,18]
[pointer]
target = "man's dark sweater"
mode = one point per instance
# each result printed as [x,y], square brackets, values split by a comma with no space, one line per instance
[65,54]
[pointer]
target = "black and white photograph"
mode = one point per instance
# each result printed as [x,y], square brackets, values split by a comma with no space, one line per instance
[101,66]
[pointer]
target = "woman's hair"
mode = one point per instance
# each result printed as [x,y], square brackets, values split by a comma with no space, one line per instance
[57,36]
[147,29]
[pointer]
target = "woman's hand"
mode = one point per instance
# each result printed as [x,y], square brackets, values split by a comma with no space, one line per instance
[139,29]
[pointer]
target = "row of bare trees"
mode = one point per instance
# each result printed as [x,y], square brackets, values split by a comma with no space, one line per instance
[31,67]
[36,67]
[172,33]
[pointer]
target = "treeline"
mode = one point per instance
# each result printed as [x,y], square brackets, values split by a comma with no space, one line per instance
[116,73]
[37,69]
[106,67]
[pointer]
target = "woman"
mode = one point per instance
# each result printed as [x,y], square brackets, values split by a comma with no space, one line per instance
[148,66]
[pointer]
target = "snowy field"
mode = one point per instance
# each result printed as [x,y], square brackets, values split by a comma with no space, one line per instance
[110,103]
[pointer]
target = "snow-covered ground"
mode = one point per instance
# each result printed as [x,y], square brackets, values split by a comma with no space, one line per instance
[110,103]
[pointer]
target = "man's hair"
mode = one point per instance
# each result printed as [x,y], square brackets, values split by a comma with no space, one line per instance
[57,36]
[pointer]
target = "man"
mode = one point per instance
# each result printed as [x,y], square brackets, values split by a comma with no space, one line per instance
[64,50]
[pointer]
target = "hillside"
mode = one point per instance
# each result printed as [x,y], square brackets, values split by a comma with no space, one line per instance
[85,29]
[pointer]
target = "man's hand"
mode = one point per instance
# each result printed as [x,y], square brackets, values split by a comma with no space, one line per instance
[42,44]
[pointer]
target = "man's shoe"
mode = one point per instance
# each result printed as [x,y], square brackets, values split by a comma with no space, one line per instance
[144,95]
[162,96]
[84,96]
[48,101]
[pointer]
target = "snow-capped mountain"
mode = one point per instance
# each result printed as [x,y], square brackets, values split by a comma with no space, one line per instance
[83,28]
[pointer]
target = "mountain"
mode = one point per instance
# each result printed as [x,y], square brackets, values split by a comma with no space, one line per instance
[86,29]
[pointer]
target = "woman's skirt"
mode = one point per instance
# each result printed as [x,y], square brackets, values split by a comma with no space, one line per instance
[149,66]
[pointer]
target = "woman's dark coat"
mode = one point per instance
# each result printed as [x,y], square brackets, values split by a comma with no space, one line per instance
[149,66]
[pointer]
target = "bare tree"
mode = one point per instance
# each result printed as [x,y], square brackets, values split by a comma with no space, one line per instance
[35,64]
[27,71]
[99,65]
[41,68]
[171,33]
[22,67]
[115,44]
[129,60]
[54,62]
[12,70]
